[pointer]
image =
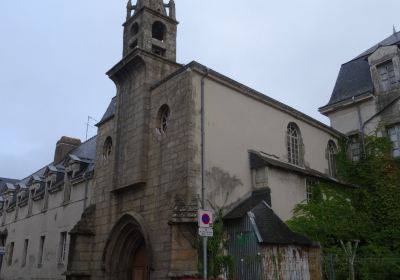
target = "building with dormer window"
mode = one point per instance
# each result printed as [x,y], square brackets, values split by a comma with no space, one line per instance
[366,96]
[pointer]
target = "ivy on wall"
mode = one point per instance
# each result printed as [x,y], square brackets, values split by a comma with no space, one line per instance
[361,222]
[220,264]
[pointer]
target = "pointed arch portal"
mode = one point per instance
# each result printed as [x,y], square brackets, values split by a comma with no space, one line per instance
[127,255]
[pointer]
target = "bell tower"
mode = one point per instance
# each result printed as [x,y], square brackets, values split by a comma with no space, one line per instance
[151,26]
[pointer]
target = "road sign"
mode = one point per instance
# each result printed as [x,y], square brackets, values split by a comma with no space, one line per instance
[206,232]
[205,218]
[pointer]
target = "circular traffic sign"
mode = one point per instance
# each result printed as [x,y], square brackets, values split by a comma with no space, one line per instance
[205,218]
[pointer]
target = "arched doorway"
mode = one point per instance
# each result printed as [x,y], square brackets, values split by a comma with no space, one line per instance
[127,255]
[139,265]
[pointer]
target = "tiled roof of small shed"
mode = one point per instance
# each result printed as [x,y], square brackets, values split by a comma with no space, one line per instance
[269,228]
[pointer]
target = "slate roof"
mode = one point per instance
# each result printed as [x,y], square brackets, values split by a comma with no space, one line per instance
[258,160]
[4,181]
[85,151]
[239,210]
[354,77]
[269,100]
[110,112]
[268,227]
[273,230]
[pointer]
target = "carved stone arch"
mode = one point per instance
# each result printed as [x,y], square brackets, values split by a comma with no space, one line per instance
[127,236]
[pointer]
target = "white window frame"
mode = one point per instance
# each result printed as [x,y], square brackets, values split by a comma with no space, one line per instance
[310,183]
[293,144]
[394,137]
[332,151]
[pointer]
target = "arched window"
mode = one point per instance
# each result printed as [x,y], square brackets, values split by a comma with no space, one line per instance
[135,29]
[162,119]
[107,148]
[158,31]
[293,144]
[331,155]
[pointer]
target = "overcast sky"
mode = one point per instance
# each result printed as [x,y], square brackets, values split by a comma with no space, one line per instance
[53,56]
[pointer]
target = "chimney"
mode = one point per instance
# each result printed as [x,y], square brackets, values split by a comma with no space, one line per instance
[64,146]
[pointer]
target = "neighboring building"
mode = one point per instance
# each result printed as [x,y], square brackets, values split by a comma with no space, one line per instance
[172,132]
[38,212]
[365,100]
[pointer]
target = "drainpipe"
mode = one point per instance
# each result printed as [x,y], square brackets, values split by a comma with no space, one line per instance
[361,125]
[203,170]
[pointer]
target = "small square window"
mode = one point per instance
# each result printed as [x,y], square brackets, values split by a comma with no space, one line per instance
[310,184]
[354,147]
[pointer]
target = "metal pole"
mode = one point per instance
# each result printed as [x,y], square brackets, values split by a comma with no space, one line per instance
[203,172]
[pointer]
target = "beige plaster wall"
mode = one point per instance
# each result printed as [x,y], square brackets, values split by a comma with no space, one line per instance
[346,120]
[236,123]
[287,190]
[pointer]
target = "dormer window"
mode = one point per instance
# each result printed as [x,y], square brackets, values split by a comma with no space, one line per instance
[387,77]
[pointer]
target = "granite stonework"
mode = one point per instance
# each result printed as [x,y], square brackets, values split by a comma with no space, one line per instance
[149,173]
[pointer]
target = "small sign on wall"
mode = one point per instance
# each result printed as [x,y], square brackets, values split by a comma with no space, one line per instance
[205,218]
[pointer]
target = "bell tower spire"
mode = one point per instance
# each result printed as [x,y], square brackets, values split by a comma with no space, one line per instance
[151,26]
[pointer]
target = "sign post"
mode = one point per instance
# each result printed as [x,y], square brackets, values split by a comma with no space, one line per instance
[205,219]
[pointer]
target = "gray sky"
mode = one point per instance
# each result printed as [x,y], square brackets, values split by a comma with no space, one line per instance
[53,56]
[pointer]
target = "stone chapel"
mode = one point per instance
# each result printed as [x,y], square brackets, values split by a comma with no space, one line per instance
[173,135]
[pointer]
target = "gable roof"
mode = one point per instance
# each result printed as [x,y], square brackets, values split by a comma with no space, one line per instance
[273,230]
[194,65]
[354,77]
[259,159]
[268,227]
[246,203]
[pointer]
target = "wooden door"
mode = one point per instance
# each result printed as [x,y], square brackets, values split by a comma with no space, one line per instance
[139,271]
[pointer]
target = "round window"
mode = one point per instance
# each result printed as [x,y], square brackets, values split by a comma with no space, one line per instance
[107,148]
[163,118]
